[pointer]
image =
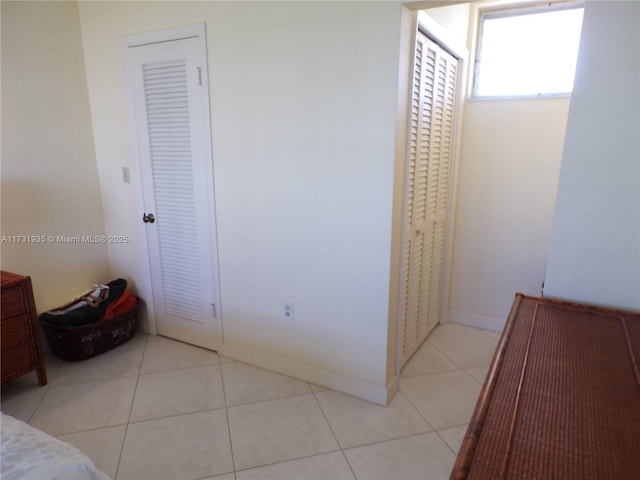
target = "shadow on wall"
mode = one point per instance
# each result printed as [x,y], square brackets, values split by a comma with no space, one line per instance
[43,238]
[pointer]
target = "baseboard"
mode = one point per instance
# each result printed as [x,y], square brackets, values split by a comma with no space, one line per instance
[379,394]
[477,321]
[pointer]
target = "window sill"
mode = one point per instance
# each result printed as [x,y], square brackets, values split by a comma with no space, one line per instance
[546,96]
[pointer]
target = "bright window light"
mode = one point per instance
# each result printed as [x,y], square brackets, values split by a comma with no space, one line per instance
[529,53]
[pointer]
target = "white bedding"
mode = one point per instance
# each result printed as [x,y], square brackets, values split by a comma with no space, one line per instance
[30,454]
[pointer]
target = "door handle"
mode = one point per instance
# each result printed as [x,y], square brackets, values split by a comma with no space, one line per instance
[148,218]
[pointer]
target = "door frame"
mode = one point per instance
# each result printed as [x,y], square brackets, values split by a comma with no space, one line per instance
[420,21]
[197,31]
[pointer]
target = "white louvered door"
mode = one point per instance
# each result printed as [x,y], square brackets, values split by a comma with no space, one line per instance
[170,101]
[430,156]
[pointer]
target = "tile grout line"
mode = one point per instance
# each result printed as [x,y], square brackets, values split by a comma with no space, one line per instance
[447,356]
[445,442]
[255,402]
[456,363]
[304,457]
[416,408]
[466,425]
[379,442]
[133,399]
[472,377]
[171,415]
[47,387]
[461,334]
[460,368]
[38,404]
[226,411]
[326,419]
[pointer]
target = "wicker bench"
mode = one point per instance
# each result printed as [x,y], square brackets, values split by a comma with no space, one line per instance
[561,399]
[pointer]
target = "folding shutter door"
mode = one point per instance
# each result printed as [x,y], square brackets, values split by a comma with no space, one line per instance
[427,192]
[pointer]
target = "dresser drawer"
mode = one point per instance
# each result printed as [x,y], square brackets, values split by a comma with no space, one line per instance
[19,338]
[12,302]
[15,330]
[17,358]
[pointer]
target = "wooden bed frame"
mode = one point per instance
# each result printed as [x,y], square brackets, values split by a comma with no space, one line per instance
[561,399]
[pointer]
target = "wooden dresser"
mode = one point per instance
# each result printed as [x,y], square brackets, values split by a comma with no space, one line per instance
[21,345]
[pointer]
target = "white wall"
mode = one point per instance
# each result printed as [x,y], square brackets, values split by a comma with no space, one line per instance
[454,20]
[595,245]
[49,179]
[507,183]
[507,179]
[303,98]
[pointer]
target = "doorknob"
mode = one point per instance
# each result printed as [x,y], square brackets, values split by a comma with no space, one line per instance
[148,218]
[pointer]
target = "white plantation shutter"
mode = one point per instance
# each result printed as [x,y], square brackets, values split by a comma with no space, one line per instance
[427,192]
[445,111]
[171,109]
[167,103]
[408,310]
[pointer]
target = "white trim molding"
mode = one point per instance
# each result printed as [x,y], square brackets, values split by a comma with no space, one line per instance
[379,394]
[476,321]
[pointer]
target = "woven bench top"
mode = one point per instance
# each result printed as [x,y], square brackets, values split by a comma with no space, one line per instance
[562,397]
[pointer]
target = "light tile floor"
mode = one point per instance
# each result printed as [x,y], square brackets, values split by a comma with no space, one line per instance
[157,409]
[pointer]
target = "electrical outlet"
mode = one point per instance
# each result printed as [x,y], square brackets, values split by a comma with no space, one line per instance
[287,311]
[126,178]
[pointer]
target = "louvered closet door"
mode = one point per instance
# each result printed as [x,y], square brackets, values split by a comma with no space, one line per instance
[172,117]
[427,193]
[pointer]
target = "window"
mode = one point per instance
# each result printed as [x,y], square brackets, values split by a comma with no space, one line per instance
[527,52]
